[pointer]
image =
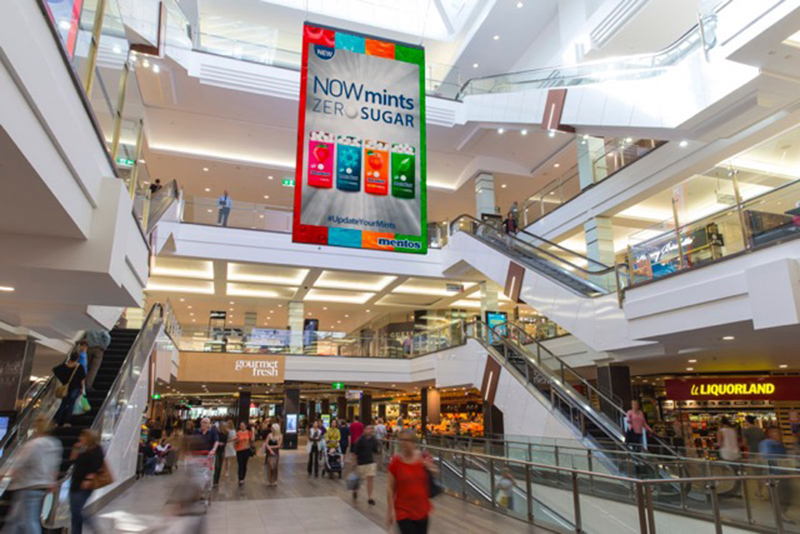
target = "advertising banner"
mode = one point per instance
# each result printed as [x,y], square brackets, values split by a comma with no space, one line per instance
[236,368]
[783,388]
[360,178]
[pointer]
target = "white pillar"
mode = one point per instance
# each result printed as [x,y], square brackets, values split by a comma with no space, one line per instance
[296,317]
[600,247]
[488,300]
[592,165]
[484,195]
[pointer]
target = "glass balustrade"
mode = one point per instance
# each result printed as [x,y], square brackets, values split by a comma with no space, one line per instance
[246,215]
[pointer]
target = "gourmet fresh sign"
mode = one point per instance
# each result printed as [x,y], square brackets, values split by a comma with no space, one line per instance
[211,367]
[758,388]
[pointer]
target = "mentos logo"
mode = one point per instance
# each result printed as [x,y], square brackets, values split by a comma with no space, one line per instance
[399,243]
[324,52]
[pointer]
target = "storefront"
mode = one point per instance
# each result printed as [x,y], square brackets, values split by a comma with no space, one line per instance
[689,410]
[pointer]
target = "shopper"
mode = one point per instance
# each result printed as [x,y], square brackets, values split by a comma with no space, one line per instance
[219,458]
[505,490]
[83,355]
[344,432]
[244,441]
[230,447]
[637,425]
[71,374]
[773,452]
[98,341]
[365,450]
[728,441]
[333,437]
[513,216]
[88,457]
[34,471]
[224,204]
[272,449]
[356,431]
[381,432]
[752,435]
[408,494]
[155,187]
[313,448]
[149,456]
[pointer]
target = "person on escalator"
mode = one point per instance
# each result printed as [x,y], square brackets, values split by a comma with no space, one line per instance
[35,470]
[637,425]
[71,374]
[513,216]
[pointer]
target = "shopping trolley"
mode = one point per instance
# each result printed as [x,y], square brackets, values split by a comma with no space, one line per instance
[200,467]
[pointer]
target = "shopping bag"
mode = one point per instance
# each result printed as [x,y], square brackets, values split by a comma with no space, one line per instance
[353,482]
[81,406]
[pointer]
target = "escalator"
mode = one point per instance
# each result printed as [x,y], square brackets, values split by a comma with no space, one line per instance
[124,364]
[151,207]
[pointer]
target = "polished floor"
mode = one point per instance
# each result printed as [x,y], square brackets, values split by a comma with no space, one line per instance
[298,505]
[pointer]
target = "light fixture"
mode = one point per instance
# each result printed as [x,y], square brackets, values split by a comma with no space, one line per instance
[231,303]
[205,169]
[683,144]
[474,65]
[523,132]
[210,211]
[346,316]
[496,37]
[629,140]
[519,5]
[692,361]
[270,177]
[156,69]
[266,196]
[7,289]
[208,189]
[501,131]
[145,63]
[367,311]
[325,308]
[557,165]
[783,366]
[183,300]
[728,338]
[690,368]
[551,134]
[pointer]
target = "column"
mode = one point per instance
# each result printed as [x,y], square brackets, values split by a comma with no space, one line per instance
[312,411]
[296,310]
[326,406]
[15,373]
[614,380]
[592,166]
[250,319]
[341,407]
[382,411]
[291,410]
[430,404]
[365,409]
[488,300]
[243,411]
[484,195]
[351,413]
[600,247]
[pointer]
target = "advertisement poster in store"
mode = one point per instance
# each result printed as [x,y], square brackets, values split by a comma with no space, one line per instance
[361,173]
[494,319]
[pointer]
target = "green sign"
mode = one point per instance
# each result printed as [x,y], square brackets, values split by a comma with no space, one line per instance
[338,385]
[288,182]
[156,396]
[125,162]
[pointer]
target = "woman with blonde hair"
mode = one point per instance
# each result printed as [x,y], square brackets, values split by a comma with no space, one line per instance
[88,457]
[272,447]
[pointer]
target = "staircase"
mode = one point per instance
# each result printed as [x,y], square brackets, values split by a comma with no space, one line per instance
[121,341]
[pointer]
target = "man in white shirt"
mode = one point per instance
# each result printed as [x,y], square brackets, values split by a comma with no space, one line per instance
[224,204]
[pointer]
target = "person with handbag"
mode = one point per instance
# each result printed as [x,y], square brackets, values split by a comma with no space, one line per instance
[313,448]
[409,490]
[88,474]
[244,443]
[71,375]
[272,449]
[34,472]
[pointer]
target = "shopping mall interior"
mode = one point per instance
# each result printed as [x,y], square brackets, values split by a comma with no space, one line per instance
[448,266]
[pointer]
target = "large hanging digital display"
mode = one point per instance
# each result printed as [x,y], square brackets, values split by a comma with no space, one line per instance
[360,179]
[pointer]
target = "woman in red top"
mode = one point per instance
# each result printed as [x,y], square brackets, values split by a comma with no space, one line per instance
[408,489]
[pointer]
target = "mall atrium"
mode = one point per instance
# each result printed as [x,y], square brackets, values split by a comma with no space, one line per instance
[488,265]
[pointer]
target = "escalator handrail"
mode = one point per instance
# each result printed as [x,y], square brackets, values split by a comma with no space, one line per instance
[170,191]
[615,403]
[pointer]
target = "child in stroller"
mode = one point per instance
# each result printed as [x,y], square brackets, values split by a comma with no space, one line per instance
[334,462]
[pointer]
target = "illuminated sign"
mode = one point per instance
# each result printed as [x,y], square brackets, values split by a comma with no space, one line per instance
[288,182]
[338,385]
[125,162]
[360,177]
[760,388]
[231,368]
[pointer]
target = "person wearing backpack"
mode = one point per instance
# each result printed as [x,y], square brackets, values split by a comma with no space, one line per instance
[71,374]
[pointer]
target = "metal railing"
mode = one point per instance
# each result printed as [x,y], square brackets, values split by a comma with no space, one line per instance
[567,499]
[149,207]
[245,215]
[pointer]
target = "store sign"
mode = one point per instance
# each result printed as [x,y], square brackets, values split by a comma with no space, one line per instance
[766,388]
[361,173]
[220,314]
[231,368]
[353,394]
[338,385]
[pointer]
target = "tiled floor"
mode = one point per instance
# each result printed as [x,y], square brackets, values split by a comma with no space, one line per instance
[299,505]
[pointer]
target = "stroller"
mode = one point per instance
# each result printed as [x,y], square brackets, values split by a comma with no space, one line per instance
[334,462]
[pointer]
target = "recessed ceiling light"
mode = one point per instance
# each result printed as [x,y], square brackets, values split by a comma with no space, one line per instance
[474,65]
[231,303]
[496,37]
[205,169]
[7,289]
[503,186]
[690,368]
[183,300]
[346,315]
[156,69]
[728,338]
[270,177]
[523,132]
[145,63]
[557,165]
[692,361]
[501,131]
[324,307]
[551,134]
[367,311]
[683,144]
[209,211]
[309,314]
[783,366]
[266,196]
[208,189]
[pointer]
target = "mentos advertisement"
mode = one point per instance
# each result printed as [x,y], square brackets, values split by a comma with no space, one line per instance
[361,143]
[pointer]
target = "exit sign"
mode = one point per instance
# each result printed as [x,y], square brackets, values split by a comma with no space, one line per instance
[125,162]
[156,396]
[288,182]
[338,385]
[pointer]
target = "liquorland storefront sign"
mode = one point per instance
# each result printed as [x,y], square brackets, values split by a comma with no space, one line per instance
[756,388]
[236,368]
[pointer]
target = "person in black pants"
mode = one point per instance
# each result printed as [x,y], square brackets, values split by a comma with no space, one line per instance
[70,374]
[344,431]
[220,453]
[244,439]
[314,437]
